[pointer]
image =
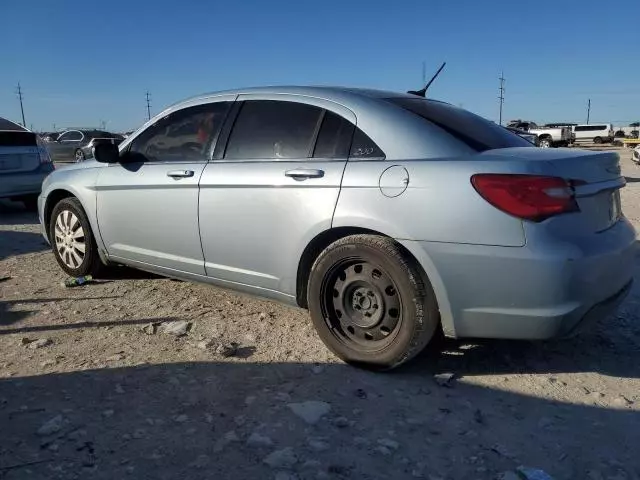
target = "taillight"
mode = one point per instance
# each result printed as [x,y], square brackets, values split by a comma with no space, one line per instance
[43,153]
[529,197]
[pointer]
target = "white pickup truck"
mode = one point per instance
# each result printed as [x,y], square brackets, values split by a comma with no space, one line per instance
[548,136]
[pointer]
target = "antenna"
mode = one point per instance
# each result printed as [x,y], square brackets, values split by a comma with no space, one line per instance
[501,96]
[423,92]
[148,105]
[19,93]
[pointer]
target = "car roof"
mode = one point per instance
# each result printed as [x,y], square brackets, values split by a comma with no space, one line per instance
[336,94]
[8,125]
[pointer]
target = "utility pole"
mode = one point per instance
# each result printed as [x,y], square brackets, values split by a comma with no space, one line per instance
[588,110]
[54,127]
[19,93]
[424,73]
[148,106]
[501,96]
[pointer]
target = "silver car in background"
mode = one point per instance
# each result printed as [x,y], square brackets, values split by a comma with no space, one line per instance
[24,163]
[387,215]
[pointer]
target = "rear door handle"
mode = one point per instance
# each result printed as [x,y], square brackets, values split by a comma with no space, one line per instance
[304,173]
[180,173]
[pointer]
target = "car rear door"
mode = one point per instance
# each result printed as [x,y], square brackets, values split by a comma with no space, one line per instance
[272,187]
[148,205]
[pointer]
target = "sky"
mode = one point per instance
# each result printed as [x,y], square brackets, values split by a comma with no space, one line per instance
[81,63]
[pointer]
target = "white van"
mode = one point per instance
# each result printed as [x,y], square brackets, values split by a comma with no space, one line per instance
[595,132]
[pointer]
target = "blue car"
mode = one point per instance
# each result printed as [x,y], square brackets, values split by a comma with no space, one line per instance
[24,164]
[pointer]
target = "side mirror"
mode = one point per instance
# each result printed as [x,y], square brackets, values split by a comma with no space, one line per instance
[106,153]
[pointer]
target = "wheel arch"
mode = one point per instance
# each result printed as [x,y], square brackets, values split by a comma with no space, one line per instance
[53,198]
[56,194]
[424,263]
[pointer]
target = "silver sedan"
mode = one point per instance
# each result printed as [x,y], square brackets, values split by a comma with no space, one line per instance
[388,216]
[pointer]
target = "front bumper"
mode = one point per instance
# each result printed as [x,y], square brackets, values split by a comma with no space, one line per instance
[524,293]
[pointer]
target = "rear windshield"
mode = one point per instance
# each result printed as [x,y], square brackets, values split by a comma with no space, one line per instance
[473,130]
[17,139]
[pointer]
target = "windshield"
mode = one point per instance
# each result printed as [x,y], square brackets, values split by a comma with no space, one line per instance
[473,130]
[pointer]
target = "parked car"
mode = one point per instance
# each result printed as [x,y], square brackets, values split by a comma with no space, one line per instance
[636,155]
[596,133]
[386,215]
[76,145]
[530,137]
[24,163]
[49,136]
[548,137]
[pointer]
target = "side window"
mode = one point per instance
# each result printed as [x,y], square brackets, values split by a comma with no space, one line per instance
[72,136]
[182,136]
[363,147]
[334,137]
[273,129]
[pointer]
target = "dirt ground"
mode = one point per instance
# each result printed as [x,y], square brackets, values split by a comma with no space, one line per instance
[91,386]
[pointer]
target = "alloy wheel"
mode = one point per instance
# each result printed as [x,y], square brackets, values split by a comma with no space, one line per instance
[70,239]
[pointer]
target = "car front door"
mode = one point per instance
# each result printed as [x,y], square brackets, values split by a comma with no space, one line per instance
[272,186]
[64,148]
[147,205]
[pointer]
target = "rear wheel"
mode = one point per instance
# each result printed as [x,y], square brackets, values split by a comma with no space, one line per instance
[546,142]
[370,303]
[73,244]
[597,140]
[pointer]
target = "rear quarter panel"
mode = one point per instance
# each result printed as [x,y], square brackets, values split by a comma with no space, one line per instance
[439,204]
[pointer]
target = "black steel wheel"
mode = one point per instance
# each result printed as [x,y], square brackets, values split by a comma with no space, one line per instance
[370,302]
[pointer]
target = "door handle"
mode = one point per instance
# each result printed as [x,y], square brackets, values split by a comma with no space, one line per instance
[180,173]
[304,173]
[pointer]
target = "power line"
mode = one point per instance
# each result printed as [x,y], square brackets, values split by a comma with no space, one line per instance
[148,106]
[19,93]
[501,96]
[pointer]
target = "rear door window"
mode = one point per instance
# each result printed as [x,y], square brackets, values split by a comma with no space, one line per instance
[476,132]
[269,129]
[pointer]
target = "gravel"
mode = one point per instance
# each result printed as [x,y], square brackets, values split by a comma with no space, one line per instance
[171,406]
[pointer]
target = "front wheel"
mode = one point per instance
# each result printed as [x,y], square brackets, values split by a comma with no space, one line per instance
[546,142]
[370,303]
[72,239]
[597,140]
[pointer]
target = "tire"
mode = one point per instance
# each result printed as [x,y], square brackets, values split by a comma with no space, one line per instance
[30,202]
[545,142]
[597,140]
[79,156]
[71,234]
[370,303]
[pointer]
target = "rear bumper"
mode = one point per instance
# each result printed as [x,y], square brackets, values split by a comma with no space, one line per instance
[524,293]
[28,183]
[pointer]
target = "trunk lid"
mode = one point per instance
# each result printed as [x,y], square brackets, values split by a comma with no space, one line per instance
[19,152]
[595,176]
